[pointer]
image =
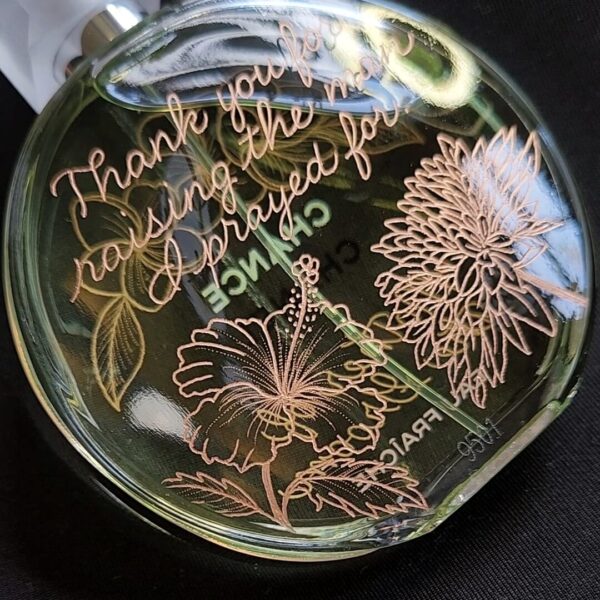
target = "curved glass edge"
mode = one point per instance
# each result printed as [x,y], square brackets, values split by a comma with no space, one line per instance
[15,287]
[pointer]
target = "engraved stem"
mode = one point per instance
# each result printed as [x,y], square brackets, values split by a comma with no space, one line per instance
[297,332]
[555,290]
[276,511]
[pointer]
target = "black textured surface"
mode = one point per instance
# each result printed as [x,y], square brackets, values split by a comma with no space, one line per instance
[532,533]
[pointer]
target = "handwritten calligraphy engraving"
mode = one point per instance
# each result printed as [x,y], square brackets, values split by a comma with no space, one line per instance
[270,128]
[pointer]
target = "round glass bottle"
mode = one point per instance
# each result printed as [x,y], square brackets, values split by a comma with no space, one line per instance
[298,279]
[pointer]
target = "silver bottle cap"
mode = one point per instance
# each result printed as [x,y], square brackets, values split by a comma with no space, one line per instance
[40,42]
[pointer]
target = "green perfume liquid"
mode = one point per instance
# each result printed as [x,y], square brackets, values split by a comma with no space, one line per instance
[303,306]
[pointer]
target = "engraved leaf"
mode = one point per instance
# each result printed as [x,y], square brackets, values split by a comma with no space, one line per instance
[118,349]
[368,488]
[388,139]
[221,495]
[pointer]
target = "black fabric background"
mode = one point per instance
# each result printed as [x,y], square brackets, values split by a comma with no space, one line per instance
[532,533]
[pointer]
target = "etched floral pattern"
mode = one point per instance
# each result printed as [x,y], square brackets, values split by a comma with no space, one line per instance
[264,383]
[291,378]
[123,259]
[137,266]
[459,288]
[283,415]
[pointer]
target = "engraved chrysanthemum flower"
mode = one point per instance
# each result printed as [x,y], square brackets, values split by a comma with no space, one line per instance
[265,383]
[459,289]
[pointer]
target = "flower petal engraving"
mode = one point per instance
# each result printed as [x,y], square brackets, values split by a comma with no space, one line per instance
[122,255]
[459,288]
[293,376]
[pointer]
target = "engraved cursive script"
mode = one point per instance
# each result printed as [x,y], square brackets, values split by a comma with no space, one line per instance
[264,133]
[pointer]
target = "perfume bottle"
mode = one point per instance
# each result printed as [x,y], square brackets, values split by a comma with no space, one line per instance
[298,279]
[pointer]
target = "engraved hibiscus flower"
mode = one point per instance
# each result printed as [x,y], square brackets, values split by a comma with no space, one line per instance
[264,383]
[459,288]
[131,250]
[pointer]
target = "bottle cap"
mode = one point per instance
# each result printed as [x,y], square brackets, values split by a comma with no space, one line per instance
[40,40]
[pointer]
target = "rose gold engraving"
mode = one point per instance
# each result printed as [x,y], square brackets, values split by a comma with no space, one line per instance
[459,290]
[285,413]
[358,488]
[369,67]
[140,264]
[300,51]
[273,170]
[383,386]
[223,496]
[136,161]
[315,166]
[243,86]
[365,130]
[112,254]
[291,378]
[270,123]
[257,141]
[141,260]
[280,390]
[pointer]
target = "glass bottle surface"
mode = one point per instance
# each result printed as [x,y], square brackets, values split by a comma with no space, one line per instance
[297,279]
